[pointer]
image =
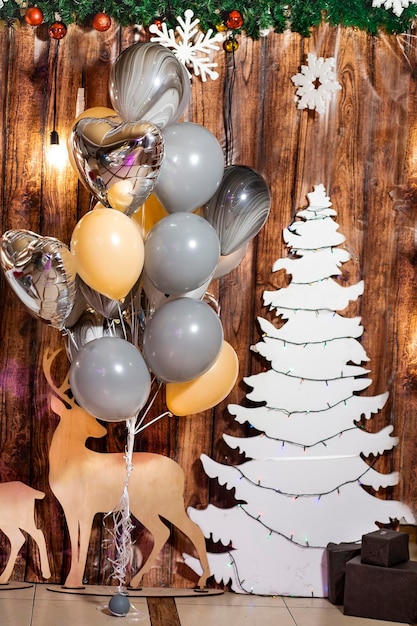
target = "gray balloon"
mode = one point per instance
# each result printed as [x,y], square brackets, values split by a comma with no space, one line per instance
[192,167]
[181,253]
[182,340]
[239,208]
[148,82]
[109,379]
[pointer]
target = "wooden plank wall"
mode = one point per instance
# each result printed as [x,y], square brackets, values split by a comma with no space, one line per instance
[364,150]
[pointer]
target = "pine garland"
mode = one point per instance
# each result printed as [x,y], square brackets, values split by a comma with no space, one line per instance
[296,15]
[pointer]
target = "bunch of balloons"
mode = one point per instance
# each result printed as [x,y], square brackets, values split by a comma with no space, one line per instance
[129,290]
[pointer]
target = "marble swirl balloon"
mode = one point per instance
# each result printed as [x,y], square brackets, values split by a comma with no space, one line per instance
[239,208]
[148,82]
[41,272]
[91,325]
[118,162]
[107,307]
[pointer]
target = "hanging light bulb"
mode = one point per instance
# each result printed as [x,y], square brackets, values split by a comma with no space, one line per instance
[54,138]
[56,153]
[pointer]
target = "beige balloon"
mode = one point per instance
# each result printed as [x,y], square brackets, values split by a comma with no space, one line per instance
[120,195]
[229,262]
[109,252]
[207,390]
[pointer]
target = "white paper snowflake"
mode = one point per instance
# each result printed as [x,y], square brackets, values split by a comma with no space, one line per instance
[397,6]
[188,42]
[316,83]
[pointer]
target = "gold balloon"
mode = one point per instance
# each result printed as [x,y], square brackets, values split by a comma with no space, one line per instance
[207,390]
[120,195]
[109,252]
[99,112]
[230,262]
[149,214]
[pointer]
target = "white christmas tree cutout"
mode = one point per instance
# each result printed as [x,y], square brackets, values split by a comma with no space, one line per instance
[301,486]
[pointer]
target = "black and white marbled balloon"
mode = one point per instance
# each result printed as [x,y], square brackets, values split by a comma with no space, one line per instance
[239,208]
[148,82]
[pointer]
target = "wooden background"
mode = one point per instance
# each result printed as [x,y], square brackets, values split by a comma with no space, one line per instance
[364,150]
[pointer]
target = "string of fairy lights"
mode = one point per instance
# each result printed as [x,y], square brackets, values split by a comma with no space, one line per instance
[295,496]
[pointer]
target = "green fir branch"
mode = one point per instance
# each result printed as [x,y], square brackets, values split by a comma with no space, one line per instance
[296,15]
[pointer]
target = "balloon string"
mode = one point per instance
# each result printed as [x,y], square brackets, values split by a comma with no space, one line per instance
[119,309]
[215,304]
[134,317]
[122,523]
[150,403]
[121,532]
[70,334]
[156,419]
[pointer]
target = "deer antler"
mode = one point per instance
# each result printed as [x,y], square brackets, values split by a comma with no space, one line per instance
[48,358]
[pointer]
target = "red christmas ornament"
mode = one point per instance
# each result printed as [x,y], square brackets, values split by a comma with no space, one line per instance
[234,20]
[57,30]
[34,16]
[158,21]
[101,22]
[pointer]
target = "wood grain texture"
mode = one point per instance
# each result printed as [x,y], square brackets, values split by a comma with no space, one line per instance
[163,611]
[363,150]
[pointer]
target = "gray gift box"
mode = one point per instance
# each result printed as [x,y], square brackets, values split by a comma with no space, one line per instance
[385,548]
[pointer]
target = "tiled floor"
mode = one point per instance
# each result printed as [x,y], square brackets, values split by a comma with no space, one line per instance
[38,606]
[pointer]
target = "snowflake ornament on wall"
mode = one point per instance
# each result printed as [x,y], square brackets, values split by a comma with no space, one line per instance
[188,42]
[316,83]
[397,6]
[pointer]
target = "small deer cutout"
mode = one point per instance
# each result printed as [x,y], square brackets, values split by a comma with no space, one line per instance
[87,482]
[17,513]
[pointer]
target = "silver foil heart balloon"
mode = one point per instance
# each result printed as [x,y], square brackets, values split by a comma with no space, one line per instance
[117,161]
[41,272]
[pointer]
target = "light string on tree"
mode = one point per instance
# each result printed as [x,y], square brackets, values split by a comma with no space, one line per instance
[305,495]
[306,378]
[232,563]
[273,531]
[305,343]
[308,445]
[289,413]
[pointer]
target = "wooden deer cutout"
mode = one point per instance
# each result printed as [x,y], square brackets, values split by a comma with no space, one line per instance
[87,482]
[17,513]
